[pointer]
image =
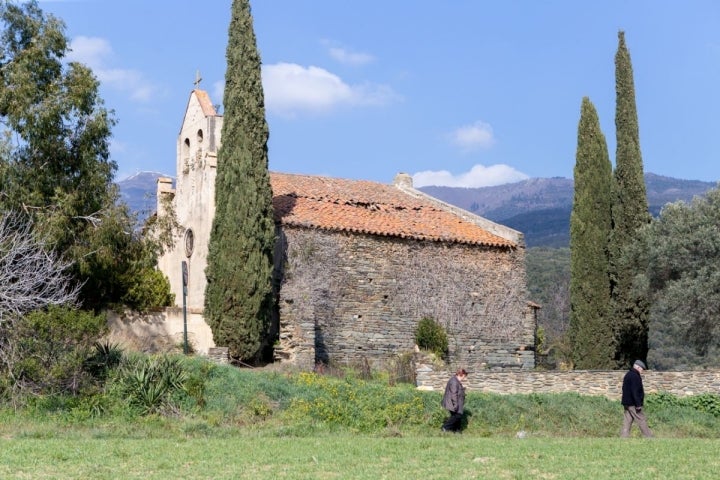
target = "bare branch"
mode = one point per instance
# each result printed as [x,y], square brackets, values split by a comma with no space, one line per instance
[31,275]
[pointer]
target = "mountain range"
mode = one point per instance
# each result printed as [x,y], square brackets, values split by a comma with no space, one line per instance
[538,207]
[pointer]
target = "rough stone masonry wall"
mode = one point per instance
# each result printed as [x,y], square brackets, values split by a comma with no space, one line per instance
[607,383]
[347,298]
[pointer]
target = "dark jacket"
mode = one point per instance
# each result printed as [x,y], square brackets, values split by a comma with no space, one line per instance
[454,398]
[633,394]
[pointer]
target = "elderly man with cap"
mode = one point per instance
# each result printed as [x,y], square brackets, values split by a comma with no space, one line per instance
[633,396]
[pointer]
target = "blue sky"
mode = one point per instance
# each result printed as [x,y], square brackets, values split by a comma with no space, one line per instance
[462,92]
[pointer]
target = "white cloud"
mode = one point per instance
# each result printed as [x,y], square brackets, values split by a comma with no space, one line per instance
[350,58]
[478,176]
[96,53]
[291,88]
[89,51]
[473,137]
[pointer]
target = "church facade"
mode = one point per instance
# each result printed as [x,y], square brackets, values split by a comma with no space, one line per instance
[358,264]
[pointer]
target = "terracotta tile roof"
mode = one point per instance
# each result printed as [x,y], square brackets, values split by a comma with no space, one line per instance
[371,208]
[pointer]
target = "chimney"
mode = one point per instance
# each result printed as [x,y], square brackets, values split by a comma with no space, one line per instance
[403,180]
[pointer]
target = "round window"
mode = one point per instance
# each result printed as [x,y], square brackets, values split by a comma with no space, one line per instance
[189,242]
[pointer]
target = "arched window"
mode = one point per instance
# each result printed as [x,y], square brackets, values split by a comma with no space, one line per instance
[186,155]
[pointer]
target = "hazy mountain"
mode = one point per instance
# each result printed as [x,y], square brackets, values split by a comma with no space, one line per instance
[139,192]
[538,207]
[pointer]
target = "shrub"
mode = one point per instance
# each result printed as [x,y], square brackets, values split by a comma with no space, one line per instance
[196,383]
[706,403]
[44,352]
[149,382]
[106,357]
[150,290]
[430,335]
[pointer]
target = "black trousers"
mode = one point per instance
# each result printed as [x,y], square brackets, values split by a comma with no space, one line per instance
[452,424]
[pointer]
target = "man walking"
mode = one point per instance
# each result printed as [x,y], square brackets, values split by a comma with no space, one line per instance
[454,401]
[633,397]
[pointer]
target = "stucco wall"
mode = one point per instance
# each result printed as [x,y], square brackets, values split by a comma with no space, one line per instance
[193,202]
[160,331]
[346,298]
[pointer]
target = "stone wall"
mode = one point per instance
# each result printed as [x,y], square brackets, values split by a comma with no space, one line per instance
[347,298]
[430,376]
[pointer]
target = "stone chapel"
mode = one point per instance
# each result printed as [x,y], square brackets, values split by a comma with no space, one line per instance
[358,264]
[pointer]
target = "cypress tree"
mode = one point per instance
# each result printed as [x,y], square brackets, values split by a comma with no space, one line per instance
[238,296]
[591,332]
[629,213]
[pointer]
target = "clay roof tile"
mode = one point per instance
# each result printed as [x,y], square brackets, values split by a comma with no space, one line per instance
[372,208]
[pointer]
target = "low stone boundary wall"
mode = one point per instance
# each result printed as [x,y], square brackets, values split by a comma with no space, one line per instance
[585,382]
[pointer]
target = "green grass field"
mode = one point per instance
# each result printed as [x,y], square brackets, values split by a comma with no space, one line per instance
[341,456]
[265,425]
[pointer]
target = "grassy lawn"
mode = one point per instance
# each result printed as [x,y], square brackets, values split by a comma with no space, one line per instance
[359,457]
[258,425]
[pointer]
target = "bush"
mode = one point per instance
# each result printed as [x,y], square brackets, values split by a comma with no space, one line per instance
[106,357]
[44,352]
[150,382]
[150,290]
[431,336]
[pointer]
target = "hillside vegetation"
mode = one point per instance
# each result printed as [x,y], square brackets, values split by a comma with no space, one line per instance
[202,399]
[183,417]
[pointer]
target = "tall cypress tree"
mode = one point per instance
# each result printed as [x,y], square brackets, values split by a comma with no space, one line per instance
[591,332]
[238,297]
[629,213]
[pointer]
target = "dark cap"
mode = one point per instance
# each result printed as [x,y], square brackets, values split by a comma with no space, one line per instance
[640,363]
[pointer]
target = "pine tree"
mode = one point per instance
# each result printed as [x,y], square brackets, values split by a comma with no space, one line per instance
[591,332]
[238,297]
[629,213]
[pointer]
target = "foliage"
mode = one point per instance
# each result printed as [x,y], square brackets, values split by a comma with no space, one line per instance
[198,374]
[106,357]
[629,214]
[239,300]
[430,335]
[705,403]
[591,333]
[359,405]
[31,276]
[548,279]
[55,157]
[149,383]
[149,290]
[44,352]
[681,251]
[243,402]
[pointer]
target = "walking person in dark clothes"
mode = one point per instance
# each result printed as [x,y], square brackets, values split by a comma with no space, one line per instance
[454,401]
[633,396]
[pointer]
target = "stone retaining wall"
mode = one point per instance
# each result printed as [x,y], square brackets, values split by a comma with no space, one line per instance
[584,382]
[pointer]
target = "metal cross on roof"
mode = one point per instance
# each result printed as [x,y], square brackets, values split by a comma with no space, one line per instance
[198,79]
